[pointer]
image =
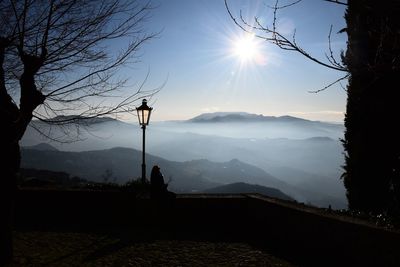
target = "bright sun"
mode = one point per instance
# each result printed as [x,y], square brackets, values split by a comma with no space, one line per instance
[246,48]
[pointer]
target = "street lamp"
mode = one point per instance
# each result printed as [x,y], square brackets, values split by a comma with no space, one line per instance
[144,112]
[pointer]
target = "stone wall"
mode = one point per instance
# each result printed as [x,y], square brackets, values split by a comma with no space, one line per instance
[298,233]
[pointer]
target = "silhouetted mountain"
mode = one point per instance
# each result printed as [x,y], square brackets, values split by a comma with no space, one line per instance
[230,172]
[42,147]
[121,164]
[237,188]
[241,117]
[320,138]
[82,119]
[46,178]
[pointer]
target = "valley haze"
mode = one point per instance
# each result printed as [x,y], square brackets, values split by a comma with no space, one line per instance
[299,157]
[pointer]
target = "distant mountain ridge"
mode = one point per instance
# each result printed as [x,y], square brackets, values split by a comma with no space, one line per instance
[240,187]
[242,117]
[121,164]
[79,119]
[42,147]
[204,117]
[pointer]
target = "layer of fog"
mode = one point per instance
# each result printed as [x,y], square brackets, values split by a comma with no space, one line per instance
[307,155]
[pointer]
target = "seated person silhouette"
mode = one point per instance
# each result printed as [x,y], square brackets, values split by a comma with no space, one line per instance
[158,187]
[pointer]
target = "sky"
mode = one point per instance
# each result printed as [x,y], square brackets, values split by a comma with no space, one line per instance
[209,64]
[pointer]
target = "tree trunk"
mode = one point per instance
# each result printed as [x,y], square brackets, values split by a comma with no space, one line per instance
[14,120]
[10,162]
[372,137]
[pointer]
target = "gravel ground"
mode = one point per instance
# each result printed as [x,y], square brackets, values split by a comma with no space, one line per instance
[82,249]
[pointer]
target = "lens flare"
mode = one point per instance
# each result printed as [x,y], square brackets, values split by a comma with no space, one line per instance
[246,48]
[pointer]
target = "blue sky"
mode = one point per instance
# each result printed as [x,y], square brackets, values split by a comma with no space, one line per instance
[195,54]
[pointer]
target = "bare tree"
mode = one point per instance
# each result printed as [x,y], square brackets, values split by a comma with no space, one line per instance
[59,63]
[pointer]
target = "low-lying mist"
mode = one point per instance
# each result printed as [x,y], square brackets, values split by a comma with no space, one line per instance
[304,154]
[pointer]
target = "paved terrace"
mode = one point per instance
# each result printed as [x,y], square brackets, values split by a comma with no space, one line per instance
[300,234]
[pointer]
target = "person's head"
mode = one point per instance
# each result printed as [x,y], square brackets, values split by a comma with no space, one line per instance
[155,170]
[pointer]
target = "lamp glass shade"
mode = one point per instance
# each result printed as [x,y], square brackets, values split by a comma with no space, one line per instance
[144,112]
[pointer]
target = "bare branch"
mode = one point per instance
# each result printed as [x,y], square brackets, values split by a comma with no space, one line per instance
[331,84]
[331,58]
[63,58]
[337,2]
[284,6]
[65,138]
[272,35]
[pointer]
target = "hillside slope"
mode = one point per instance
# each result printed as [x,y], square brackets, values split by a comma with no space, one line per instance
[121,164]
[239,188]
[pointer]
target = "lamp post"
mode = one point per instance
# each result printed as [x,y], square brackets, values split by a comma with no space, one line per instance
[144,112]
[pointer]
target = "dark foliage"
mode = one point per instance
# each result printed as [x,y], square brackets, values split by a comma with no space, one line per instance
[49,179]
[372,144]
[45,179]
[380,220]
